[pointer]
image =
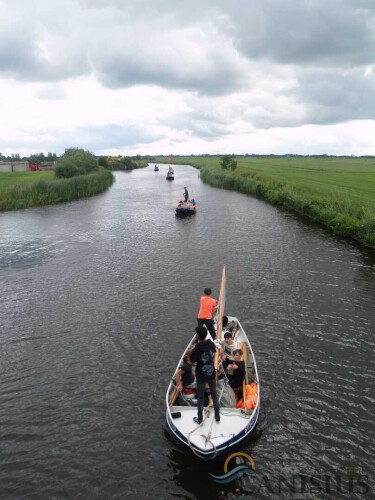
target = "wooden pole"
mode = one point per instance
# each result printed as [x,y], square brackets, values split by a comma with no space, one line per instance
[173,397]
[246,380]
[220,311]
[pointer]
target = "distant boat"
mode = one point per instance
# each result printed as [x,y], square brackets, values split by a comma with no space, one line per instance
[208,439]
[170,174]
[186,208]
[156,168]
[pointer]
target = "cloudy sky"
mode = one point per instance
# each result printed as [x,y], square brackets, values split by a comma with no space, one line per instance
[187,77]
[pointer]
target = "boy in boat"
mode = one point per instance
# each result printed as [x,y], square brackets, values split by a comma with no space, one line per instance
[185,377]
[204,354]
[186,195]
[228,347]
[207,308]
[236,372]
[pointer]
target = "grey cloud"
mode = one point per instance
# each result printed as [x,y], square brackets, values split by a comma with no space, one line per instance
[333,98]
[291,32]
[140,43]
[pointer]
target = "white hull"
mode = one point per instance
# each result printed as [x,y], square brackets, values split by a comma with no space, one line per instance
[210,438]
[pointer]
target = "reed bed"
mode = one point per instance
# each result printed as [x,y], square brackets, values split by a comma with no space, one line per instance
[337,192]
[26,191]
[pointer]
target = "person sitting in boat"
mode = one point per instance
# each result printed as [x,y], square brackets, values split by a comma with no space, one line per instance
[228,326]
[186,195]
[170,171]
[180,203]
[228,347]
[193,203]
[185,377]
[235,372]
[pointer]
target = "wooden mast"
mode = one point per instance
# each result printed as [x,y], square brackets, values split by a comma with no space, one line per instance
[220,310]
[220,313]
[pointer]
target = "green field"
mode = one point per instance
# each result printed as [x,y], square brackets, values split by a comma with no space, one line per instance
[8,179]
[337,192]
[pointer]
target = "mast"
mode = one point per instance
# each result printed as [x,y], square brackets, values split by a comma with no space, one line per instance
[220,310]
[219,322]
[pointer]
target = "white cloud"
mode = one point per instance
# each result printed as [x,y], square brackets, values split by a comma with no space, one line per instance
[191,77]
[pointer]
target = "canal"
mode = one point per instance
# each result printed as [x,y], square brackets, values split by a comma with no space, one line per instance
[98,299]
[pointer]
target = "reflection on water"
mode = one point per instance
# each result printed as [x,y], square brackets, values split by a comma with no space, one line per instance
[99,298]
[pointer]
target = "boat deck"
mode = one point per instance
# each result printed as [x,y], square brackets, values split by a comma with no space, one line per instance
[232,423]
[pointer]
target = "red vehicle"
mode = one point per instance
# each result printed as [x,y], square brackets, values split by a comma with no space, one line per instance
[35,166]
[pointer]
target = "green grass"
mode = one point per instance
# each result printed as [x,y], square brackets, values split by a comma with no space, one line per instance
[8,179]
[29,189]
[337,192]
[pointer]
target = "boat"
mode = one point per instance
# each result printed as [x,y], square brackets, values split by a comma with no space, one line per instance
[210,438]
[170,174]
[156,168]
[186,208]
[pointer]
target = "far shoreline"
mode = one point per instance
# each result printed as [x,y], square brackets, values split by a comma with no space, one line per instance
[336,192]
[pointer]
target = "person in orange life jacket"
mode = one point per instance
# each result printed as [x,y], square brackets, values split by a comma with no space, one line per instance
[207,308]
[203,355]
[185,376]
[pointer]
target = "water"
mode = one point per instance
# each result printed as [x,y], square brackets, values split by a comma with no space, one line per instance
[99,298]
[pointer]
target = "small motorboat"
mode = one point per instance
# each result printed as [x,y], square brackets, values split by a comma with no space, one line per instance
[186,208]
[208,439]
[156,168]
[170,174]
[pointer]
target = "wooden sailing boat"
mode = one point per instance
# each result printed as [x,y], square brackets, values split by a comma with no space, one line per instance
[210,438]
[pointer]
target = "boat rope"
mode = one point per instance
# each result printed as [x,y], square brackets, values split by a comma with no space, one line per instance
[207,438]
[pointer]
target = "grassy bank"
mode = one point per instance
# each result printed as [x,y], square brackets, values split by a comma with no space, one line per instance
[337,192]
[30,189]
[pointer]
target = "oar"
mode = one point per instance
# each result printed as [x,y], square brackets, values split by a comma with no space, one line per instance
[244,351]
[173,397]
[246,381]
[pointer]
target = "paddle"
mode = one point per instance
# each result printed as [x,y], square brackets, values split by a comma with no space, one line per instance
[246,381]
[173,397]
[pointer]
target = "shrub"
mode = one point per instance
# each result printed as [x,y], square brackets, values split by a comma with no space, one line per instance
[74,162]
[228,162]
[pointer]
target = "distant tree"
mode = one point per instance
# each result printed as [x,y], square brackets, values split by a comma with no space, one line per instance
[75,161]
[127,163]
[37,158]
[103,162]
[228,162]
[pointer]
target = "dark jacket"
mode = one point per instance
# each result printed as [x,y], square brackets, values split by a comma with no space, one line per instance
[238,376]
[204,354]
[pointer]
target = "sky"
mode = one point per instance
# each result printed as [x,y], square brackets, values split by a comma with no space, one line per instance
[148,77]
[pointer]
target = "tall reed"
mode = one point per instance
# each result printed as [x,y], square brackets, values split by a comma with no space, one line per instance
[47,192]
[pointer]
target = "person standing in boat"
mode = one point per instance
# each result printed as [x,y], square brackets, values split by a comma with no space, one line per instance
[207,308]
[203,355]
[186,195]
